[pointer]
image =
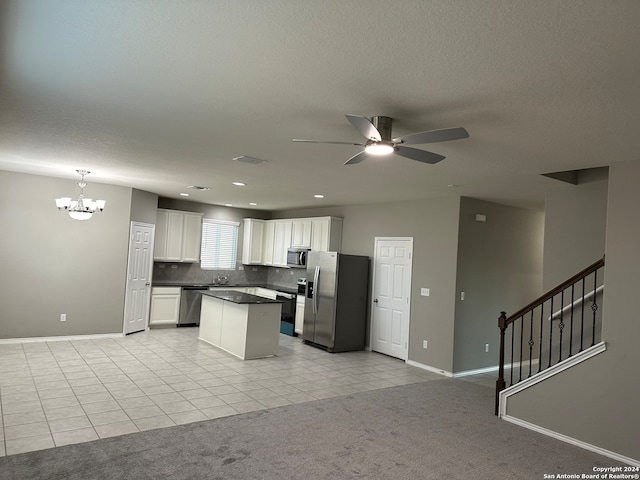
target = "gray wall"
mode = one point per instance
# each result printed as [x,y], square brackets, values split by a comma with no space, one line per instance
[52,264]
[499,268]
[596,401]
[575,225]
[433,224]
[144,206]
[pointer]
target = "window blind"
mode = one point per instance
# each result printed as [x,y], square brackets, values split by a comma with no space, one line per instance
[219,244]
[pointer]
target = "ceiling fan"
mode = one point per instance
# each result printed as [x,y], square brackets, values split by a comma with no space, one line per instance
[377,131]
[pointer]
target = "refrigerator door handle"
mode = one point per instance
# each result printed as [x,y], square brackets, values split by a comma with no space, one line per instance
[316,276]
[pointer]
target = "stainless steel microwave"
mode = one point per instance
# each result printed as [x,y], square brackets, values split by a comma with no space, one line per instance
[297,257]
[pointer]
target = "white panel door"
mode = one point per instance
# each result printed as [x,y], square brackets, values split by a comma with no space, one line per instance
[139,270]
[391,297]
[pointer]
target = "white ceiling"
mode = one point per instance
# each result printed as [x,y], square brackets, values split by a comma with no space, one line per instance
[162,94]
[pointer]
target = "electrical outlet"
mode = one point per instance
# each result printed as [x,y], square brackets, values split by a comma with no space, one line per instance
[255,269]
[486,347]
[241,267]
[424,292]
[63,317]
[425,344]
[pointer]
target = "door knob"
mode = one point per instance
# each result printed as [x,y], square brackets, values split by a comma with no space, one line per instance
[147,284]
[375,301]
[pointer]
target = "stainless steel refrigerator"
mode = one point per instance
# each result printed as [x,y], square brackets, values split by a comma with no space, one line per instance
[335,310]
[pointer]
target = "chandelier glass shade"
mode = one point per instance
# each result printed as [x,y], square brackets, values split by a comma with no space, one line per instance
[82,208]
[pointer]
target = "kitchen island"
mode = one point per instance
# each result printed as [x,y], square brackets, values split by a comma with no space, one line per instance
[245,325]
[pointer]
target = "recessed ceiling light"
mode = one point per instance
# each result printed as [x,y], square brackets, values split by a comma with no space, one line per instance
[318,196]
[228,205]
[197,187]
[182,194]
[253,204]
[239,184]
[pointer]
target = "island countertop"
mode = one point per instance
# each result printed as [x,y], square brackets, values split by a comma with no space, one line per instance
[237,297]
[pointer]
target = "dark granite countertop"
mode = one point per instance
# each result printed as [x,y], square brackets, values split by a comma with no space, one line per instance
[291,290]
[238,297]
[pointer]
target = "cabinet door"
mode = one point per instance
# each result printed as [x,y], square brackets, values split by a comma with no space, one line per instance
[192,237]
[301,233]
[165,306]
[252,241]
[326,234]
[267,245]
[281,242]
[320,234]
[175,226]
[299,321]
[160,241]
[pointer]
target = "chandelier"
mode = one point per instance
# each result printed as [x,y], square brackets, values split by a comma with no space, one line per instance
[82,208]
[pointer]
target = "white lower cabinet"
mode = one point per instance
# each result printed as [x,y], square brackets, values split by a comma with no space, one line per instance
[299,315]
[165,306]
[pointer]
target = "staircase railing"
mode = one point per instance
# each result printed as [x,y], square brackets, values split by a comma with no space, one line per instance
[544,320]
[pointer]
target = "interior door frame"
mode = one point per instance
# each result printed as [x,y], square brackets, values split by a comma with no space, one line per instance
[150,273]
[373,287]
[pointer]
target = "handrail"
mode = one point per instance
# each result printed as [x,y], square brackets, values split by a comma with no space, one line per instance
[558,314]
[504,322]
[552,293]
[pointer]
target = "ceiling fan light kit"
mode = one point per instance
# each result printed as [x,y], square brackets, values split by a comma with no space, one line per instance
[381,148]
[377,131]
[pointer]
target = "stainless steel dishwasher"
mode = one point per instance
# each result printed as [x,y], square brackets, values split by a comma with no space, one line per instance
[190,302]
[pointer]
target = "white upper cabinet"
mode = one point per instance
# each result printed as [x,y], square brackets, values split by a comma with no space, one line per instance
[301,233]
[267,246]
[281,241]
[178,236]
[253,241]
[265,242]
[326,234]
[192,237]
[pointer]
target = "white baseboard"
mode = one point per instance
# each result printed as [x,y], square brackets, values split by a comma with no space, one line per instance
[494,368]
[477,371]
[5,341]
[431,369]
[572,441]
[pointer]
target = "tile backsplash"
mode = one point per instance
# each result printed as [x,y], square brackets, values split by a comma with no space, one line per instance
[250,275]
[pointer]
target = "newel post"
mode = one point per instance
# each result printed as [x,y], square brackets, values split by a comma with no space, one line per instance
[500,385]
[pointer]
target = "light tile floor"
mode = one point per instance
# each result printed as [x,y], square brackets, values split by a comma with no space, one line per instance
[63,392]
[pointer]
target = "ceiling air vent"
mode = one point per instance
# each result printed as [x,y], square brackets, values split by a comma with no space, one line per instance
[251,160]
[197,187]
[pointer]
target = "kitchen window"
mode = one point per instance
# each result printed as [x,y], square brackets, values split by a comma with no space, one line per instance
[219,244]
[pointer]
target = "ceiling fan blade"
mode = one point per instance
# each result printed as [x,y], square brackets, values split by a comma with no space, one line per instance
[419,155]
[365,127]
[299,140]
[357,158]
[442,135]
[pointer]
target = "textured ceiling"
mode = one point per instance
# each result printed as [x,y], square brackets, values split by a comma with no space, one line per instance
[162,94]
